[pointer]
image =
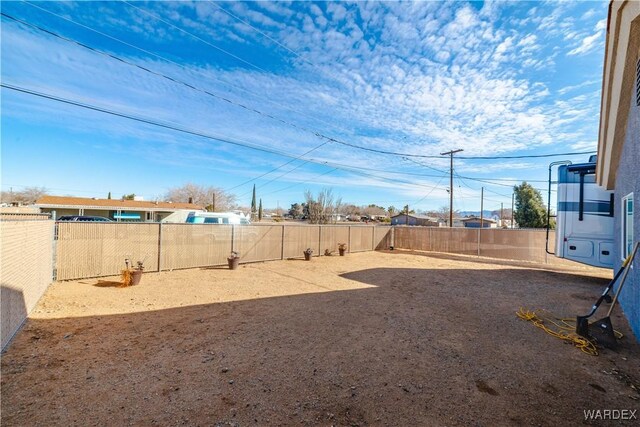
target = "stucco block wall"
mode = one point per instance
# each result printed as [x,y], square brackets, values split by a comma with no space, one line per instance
[26,263]
[628,181]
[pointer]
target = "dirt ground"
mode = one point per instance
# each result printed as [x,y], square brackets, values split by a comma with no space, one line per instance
[376,338]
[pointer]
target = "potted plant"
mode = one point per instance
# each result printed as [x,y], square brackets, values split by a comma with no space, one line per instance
[342,248]
[131,275]
[307,254]
[233,260]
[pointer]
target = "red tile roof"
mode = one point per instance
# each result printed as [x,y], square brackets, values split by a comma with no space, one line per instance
[57,201]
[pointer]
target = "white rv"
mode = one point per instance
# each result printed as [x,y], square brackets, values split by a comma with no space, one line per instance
[585,225]
[202,217]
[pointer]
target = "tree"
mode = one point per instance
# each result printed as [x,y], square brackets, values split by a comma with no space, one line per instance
[109,195]
[253,204]
[407,211]
[131,196]
[392,210]
[202,196]
[296,211]
[320,209]
[374,210]
[27,196]
[443,213]
[260,211]
[530,209]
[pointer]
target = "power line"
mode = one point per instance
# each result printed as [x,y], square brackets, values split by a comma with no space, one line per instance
[300,183]
[240,88]
[197,37]
[320,135]
[158,74]
[279,167]
[177,128]
[222,98]
[430,191]
[261,32]
[140,119]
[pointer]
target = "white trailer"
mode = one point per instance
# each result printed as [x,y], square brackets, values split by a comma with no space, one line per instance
[584,219]
[201,217]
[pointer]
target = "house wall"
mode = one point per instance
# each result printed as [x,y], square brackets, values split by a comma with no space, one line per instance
[402,220]
[476,224]
[628,181]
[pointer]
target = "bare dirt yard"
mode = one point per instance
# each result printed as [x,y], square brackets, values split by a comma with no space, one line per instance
[377,338]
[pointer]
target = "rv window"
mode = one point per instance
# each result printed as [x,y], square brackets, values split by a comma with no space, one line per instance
[627,225]
[211,220]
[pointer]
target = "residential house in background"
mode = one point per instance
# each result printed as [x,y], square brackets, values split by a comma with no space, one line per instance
[413,219]
[474,222]
[618,163]
[115,209]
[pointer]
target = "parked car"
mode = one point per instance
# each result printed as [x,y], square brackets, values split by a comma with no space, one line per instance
[84,218]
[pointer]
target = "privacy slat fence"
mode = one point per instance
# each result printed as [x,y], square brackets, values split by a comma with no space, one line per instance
[94,249]
[527,245]
[83,250]
[188,246]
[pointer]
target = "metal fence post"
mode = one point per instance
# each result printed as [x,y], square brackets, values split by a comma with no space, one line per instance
[159,247]
[373,237]
[282,241]
[392,237]
[233,237]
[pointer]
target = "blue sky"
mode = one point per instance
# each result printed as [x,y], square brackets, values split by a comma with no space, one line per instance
[303,80]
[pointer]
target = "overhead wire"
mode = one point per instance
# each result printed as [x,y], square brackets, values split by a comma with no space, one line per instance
[300,183]
[275,169]
[177,128]
[261,32]
[328,139]
[318,134]
[207,76]
[196,37]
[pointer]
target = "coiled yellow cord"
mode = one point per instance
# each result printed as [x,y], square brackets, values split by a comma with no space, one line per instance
[564,329]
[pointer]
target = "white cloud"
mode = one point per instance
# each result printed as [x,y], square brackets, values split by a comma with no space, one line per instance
[590,42]
[416,77]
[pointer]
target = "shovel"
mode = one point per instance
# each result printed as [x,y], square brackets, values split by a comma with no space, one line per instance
[602,330]
[582,322]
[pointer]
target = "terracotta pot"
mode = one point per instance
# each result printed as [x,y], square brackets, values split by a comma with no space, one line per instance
[233,262]
[307,256]
[342,251]
[136,275]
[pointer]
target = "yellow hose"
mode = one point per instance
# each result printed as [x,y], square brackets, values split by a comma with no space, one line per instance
[563,328]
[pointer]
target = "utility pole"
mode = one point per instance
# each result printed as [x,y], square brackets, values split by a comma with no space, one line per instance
[213,202]
[482,207]
[501,210]
[513,195]
[481,218]
[451,153]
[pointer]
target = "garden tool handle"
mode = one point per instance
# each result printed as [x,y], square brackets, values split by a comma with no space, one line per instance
[624,276]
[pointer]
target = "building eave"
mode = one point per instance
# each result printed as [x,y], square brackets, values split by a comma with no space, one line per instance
[621,45]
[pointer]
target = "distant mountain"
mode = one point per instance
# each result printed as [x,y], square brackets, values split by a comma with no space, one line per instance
[487,213]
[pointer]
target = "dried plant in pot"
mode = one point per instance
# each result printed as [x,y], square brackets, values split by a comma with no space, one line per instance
[307,254]
[131,275]
[233,260]
[342,248]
